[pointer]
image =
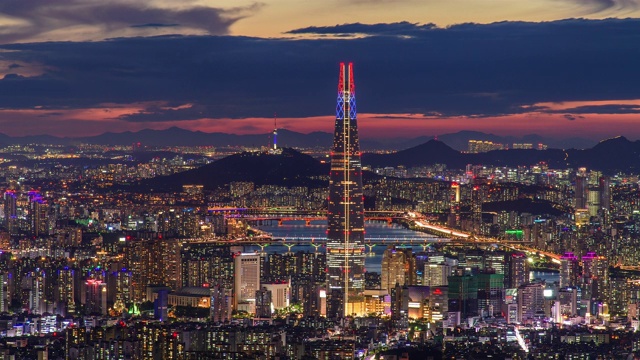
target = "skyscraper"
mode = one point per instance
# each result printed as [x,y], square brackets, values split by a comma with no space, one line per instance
[345,233]
[96,299]
[11,212]
[398,267]
[581,190]
[247,278]
[530,301]
[66,292]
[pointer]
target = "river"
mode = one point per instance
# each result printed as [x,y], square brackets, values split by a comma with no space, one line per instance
[317,229]
[396,234]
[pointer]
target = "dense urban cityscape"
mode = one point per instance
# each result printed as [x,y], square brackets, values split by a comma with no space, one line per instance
[141,252]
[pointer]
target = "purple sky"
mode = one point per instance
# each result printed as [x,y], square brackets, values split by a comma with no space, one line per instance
[80,67]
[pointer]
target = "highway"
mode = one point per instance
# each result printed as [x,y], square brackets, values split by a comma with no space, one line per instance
[419,222]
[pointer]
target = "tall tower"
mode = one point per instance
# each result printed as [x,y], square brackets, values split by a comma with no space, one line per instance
[275,132]
[345,233]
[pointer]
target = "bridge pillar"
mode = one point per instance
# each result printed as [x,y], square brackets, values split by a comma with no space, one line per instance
[307,222]
[371,246]
[389,221]
[289,246]
[279,222]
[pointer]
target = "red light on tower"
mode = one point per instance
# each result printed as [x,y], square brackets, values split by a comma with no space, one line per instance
[341,79]
[352,84]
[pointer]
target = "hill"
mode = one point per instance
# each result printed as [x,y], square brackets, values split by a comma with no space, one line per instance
[609,156]
[291,168]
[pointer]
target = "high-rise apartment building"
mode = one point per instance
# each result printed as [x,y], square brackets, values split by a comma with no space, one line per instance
[398,267]
[516,270]
[220,304]
[11,212]
[480,146]
[581,191]
[605,193]
[569,270]
[531,301]
[595,277]
[66,292]
[436,274]
[38,214]
[35,285]
[206,264]
[345,233]
[96,298]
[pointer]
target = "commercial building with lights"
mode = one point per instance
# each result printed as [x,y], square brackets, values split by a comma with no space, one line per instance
[345,233]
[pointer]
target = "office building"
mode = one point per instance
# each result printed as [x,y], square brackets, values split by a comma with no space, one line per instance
[345,233]
[246,279]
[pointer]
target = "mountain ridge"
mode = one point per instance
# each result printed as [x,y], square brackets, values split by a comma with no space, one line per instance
[609,156]
[176,136]
[292,168]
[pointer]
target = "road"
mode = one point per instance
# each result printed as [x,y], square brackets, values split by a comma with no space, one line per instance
[420,222]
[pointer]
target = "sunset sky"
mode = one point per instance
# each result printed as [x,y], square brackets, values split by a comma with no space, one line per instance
[557,68]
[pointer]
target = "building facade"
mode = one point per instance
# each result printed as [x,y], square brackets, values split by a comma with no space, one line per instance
[345,233]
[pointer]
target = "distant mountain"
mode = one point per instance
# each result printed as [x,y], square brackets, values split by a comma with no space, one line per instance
[609,156]
[32,139]
[180,137]
[291,168]
[431,152]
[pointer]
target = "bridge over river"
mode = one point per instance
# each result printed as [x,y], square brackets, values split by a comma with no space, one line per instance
[438,234]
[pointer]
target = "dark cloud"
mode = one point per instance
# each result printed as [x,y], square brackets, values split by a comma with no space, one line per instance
[168,113]
[469,69]
[602,109]
[596,6]
[51,114]
[399,28]
[37,18]
[9,77]
[154,25]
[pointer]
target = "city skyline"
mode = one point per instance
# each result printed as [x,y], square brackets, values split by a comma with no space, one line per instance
[427,68]
[183,244]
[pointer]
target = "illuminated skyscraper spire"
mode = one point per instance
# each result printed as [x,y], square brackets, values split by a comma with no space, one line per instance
[275,132]
[345,233]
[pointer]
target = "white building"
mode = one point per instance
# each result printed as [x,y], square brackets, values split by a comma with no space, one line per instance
[247,278]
